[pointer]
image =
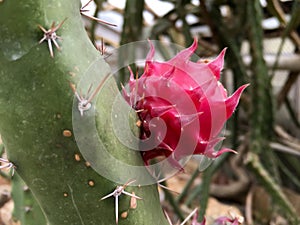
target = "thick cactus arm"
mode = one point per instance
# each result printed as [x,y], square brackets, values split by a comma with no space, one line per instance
[36,117]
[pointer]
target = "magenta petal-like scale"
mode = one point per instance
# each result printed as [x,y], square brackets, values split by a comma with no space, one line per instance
[217,64]
[233,100]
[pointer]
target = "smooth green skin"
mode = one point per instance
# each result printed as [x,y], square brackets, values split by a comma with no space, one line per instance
[36,107]
[26,208]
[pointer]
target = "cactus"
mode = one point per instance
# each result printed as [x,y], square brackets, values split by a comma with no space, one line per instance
[26,208]
[36,118]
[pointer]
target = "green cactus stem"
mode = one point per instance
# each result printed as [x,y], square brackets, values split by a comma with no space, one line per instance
[36,118]
[26,208]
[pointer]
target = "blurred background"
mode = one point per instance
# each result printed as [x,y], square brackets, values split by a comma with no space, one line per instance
[262,182]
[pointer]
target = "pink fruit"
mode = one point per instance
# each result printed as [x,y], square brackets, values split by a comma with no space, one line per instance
[181,105]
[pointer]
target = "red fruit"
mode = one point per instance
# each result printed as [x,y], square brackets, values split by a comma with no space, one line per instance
[182,106]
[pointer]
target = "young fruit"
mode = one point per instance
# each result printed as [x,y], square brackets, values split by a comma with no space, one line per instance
[182,106]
